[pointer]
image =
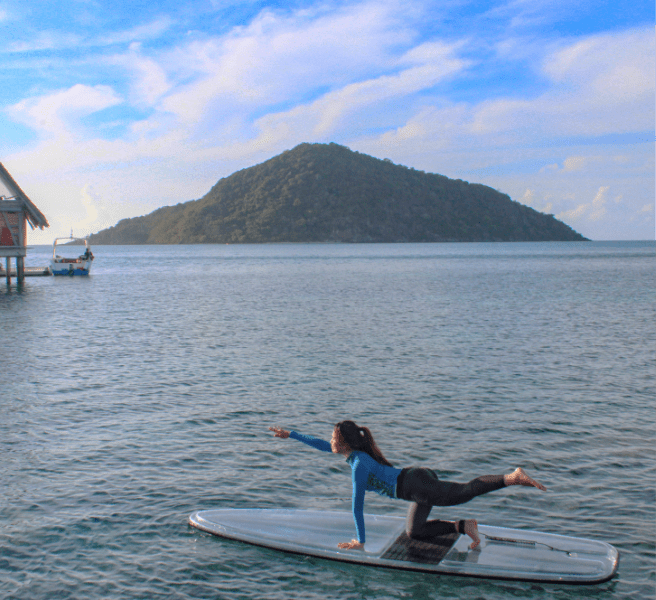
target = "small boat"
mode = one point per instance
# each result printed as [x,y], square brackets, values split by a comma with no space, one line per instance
[77,265]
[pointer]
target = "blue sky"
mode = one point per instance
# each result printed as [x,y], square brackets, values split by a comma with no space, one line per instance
[112,109]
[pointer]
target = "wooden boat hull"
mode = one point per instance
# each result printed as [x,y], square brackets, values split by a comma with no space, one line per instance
[70,268]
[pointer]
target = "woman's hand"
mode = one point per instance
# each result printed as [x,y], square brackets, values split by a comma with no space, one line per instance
[279,432]
[352,545]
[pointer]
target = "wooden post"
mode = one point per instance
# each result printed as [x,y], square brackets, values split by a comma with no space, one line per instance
[20,260]
[20,270]
[8,265]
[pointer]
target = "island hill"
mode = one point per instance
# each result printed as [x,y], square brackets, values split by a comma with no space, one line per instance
[328,193]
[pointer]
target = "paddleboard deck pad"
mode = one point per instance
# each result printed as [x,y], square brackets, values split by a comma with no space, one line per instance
[509,554]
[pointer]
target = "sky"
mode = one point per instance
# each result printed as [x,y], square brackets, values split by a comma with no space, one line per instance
[110,110]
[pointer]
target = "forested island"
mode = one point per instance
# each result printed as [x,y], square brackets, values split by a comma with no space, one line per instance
[329,193]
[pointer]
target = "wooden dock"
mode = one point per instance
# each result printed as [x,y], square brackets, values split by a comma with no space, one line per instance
[29,272]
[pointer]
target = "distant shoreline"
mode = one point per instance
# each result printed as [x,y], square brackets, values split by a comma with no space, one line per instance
[642,242]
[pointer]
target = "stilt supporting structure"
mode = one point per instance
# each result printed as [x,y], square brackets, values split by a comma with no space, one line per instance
[16,212]
[20,270]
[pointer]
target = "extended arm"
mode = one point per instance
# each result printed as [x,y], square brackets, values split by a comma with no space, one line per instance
[326,447]
[316,443]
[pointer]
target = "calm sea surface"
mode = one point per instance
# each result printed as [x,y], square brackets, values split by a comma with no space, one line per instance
[135,396]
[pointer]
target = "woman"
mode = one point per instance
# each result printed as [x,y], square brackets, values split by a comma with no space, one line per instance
[372,471]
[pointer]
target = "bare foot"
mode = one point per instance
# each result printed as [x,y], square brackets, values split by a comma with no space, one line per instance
[518,477]
[471,529]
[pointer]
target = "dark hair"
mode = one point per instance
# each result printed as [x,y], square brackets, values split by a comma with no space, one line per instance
[360,438]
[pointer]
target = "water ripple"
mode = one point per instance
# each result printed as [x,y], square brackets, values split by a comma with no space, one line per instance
[143,393]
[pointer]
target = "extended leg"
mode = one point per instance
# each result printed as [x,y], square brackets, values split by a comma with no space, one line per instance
[450,493]
[424,490]
[424,487]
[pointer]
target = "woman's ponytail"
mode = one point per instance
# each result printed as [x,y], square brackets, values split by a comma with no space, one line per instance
[361,438]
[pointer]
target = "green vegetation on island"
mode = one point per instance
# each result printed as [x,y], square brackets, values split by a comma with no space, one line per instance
[328,193]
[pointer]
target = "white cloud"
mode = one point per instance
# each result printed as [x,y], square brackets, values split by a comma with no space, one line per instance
[603,84]
[570,107]
[593,211]
[152,30]
[57,40]
[325,115]
[44,40]
[528,13]
[149,79]
[433,132]
[598,207]
[574,163]
[530,198]
[276,58]
[497,116]
[574,214]
[616,68]
[85,226]
[59,113]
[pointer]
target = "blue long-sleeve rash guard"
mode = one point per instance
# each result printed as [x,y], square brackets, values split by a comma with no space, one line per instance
[367,474]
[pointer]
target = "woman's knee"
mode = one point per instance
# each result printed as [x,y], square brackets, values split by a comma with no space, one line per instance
[415,532]
[415,522]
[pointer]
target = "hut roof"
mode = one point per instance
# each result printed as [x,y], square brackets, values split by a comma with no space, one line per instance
[34,216]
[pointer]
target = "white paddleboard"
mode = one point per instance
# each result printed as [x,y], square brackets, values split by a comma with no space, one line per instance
[510,554]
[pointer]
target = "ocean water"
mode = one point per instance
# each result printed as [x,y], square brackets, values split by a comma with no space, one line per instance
[135,396]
